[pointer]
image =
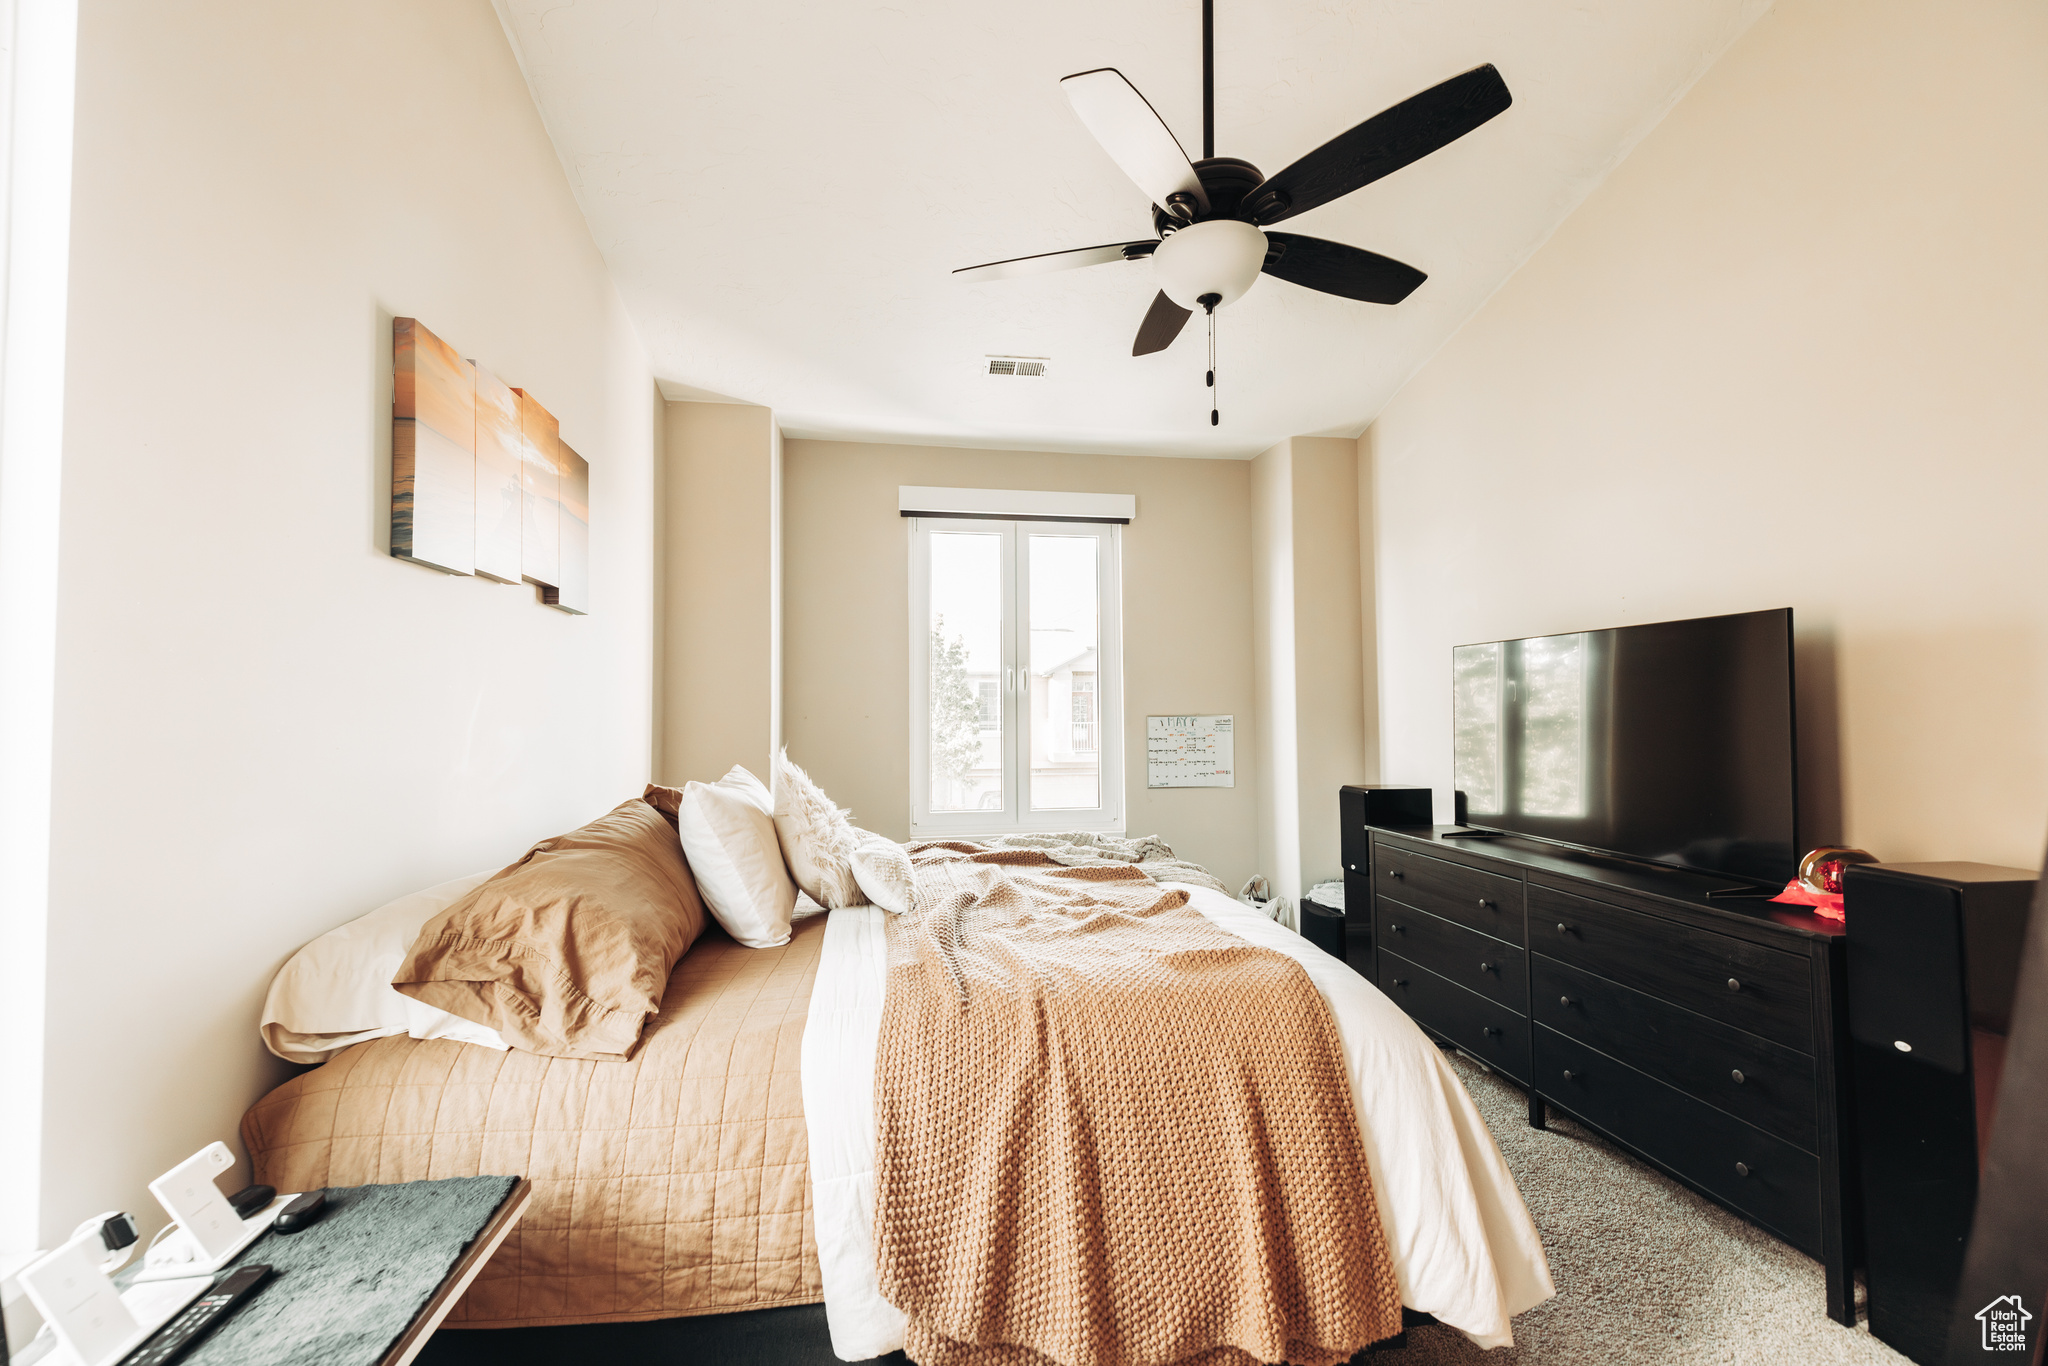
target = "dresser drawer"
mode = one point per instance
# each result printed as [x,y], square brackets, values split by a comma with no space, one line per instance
[1485,1029]
[1746,985]
[1473,960]
[1766,1178]
[1486,902]
[1754,1079]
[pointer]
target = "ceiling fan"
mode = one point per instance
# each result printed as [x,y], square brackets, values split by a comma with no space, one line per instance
[1212,216]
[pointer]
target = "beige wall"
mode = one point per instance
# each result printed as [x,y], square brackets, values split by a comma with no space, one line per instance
[721,627]
[1368,611]
[1187,622]
[1792,352]
[1277,738]
[265,725]
[1309,627]
[1329,646]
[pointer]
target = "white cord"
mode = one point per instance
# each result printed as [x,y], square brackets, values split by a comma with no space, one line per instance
[153,1240]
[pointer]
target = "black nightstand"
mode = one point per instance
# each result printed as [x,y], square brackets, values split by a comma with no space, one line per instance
[368,1282]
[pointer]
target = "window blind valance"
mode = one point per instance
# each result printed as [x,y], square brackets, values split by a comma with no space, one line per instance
[1020,505]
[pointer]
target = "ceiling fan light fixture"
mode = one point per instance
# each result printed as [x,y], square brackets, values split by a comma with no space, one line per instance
[1220,257]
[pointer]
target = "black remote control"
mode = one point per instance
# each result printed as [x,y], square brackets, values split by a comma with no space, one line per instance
[250,1200]
[300,1212]
[199,1317]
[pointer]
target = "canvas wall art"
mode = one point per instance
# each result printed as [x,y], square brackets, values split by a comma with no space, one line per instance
[498,492]
[481,480]
[433,451]
[573,593]
[540,480]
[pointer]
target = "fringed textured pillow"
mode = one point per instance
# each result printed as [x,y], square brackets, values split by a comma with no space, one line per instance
[818,839]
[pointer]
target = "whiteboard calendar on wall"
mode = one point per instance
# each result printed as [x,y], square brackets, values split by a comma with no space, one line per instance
[1188,751]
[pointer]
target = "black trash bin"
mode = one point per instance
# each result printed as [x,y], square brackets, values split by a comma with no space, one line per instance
[1323,926]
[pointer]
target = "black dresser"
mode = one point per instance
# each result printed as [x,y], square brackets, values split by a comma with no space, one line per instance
[1706,1036]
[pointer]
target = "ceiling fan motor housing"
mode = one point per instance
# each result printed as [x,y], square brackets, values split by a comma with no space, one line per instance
[1221,257]
[1226,180]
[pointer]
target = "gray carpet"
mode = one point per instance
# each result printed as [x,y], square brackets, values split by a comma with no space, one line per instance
[1646,1271]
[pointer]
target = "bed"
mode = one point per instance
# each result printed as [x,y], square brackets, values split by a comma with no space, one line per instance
[671,1184]
[730,1163]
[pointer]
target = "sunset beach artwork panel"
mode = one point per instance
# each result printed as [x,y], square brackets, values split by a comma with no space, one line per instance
[573,593]
[433,451]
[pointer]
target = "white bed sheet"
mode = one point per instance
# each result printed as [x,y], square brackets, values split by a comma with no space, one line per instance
[1464,1247]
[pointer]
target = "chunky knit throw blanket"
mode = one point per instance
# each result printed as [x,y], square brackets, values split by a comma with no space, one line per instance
[1087,849]
[1111,1133]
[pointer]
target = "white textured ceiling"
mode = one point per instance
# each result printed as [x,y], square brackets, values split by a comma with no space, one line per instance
[782,186]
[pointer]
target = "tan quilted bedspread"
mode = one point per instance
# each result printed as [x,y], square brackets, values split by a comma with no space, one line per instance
[675,1183]
[1110,1133]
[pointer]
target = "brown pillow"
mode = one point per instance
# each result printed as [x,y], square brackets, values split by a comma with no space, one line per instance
[667,800]
[567,952]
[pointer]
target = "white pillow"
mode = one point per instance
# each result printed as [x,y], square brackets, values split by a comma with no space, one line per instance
[882,868]
[337,990]
[816,836]
[728,832]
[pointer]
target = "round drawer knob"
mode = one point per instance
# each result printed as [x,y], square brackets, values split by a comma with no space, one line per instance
[1570,1075]
[1488,1030]
[1742,1169]
[1486,967]
[1737,1076]
[1734,985]
[1563,928]
[1396,929]
[1565,1001]
[1394,873]
[1484,904]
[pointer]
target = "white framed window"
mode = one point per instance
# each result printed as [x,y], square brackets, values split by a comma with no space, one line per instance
[1016,669]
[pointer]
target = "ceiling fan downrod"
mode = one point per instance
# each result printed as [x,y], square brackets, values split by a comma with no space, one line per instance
[1209,301]
[1208,79]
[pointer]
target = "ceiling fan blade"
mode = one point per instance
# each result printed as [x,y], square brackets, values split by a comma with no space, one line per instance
[1134,135]
[1163,322]
[1334,268]
[1047,262]
[1380,146]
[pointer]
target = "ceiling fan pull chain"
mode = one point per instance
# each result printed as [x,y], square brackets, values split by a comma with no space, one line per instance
[1209,305]
[1213,418]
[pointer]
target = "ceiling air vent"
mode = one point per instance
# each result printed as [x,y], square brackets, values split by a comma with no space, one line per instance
[1021,367]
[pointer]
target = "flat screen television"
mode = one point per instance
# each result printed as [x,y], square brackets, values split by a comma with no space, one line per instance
[1671,742]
